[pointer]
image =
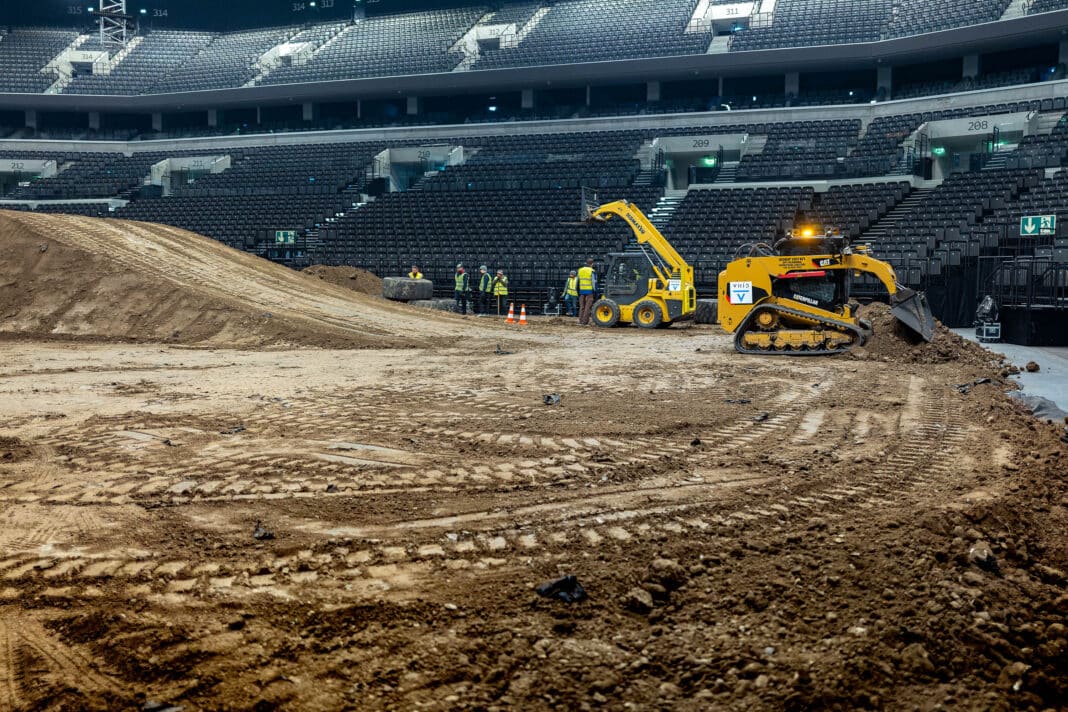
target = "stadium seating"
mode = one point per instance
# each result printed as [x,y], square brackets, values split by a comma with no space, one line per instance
[159,54]
[237,220]
[1047,5]
[802,149]
[599,30]
[799,23]
[23,54]
[914,17]
[226,62]
[414,43]
[852,209]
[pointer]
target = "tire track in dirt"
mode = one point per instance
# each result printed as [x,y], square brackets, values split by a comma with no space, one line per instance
[67,664]
[10,675]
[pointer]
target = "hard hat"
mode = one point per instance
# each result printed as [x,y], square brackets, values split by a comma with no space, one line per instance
[484,268]
[459,266]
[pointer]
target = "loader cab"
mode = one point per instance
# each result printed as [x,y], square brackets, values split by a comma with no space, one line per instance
[626,277]
[823,289]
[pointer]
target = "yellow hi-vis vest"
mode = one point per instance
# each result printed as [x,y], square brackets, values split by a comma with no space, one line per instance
[585,280]
[500,286]
[415,275]
[571,289]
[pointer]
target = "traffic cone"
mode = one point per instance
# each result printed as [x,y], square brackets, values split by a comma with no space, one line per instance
[523,315]
[511,314]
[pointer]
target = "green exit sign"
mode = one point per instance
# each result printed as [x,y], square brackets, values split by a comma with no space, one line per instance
[1031,225]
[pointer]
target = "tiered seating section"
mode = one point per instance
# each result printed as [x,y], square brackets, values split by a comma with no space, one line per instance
[393,45]
[23,54]
[916,17]
[600,30]
[226,62]
[159,54]
[566,32]
[817,22]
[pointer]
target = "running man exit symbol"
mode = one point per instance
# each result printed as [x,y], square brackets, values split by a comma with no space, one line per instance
[1038,225]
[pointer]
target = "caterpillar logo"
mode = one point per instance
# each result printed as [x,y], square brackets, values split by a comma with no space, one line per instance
[806,300]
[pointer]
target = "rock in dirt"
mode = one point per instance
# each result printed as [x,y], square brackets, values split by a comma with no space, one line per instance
[402,289]
[566,589]
[914,657]
[261,533]
[980,554]
[638,600]
[1032,367]
[668,573]
[354,278]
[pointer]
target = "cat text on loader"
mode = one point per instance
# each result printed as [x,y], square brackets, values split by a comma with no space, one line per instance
[794,298]
[650,285]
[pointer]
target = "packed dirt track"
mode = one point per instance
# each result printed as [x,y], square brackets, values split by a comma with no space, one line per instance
[272,526]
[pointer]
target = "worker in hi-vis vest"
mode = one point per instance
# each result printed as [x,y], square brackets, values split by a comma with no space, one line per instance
[587,287]
[485,290]
[500,290]
[571,294]
[415,273]
[462,287]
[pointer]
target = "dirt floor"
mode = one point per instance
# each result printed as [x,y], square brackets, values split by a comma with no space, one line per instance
[280,526]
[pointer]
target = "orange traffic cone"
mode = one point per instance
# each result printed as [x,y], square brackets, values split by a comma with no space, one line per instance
[523,315]
[511,314]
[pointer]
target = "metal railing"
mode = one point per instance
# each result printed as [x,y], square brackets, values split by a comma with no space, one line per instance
[1029,282]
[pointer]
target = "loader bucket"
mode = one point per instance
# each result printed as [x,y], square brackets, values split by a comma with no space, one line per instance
[911,308]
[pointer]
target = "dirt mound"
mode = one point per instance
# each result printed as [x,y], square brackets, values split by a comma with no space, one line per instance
[354,278]
[893,341]
[13,450]
[69,277]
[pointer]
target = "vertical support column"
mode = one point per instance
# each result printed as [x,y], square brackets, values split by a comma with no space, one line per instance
[94,120]
[308,111]
[213,118]
[719,91]
[652,91]
[589,93]
[359,108]
[1062,52]
[157,121]
[971,66]
[526,99]
[884,82]
[792,85]
[414,106]
[31,118]
[259,115]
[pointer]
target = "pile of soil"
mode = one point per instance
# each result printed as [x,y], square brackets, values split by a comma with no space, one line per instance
[13,450]
[72,277]
[893,341]
[354,278]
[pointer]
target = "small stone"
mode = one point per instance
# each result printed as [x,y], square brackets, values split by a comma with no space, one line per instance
[669,689]
[858,631]
[761,682]
[1032,367]
[914,657]
[1012,674]
[638,600]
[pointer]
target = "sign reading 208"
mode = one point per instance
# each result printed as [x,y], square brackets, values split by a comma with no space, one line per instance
[740,292]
